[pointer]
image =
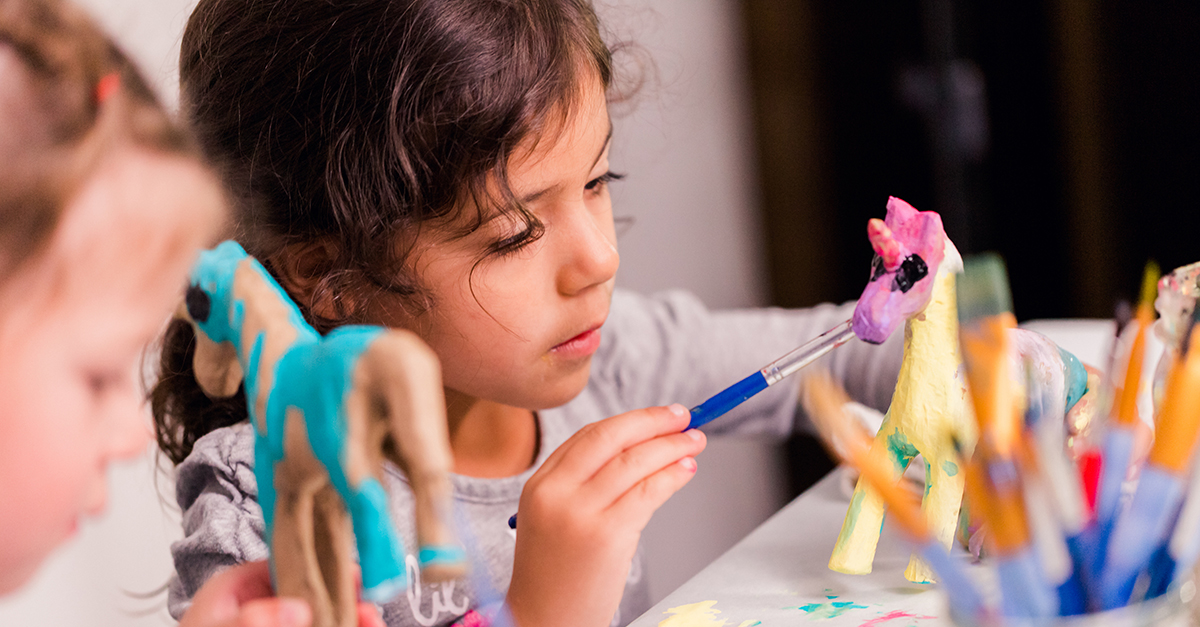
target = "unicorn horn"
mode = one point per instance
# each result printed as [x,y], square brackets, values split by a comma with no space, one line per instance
[884,243]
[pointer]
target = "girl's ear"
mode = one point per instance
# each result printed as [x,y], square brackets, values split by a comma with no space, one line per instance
[302,269]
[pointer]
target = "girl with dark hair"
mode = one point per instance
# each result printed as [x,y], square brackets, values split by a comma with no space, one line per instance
[442,166]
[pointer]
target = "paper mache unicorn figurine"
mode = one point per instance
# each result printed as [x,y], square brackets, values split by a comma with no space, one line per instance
[913,281]
[321,408]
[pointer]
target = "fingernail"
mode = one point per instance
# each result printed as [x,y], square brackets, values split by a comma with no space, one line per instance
[677,409]
[695,434]
[688,464]
[294,613]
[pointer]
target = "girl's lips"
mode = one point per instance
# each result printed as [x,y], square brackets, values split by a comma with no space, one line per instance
[582,345]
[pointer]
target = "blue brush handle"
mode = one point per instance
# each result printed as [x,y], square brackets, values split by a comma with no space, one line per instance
[1139,532]
[961,592]
[1072,593]
[1026,594]
[1118,450]
[771,374]
[727,399]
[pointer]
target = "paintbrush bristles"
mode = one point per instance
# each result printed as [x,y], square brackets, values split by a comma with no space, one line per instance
[825,402]
[983,288]
[1150,278]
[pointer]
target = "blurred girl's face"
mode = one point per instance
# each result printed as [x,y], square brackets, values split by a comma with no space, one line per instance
[73,323]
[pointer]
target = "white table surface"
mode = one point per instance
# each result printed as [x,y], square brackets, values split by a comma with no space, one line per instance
[779,574]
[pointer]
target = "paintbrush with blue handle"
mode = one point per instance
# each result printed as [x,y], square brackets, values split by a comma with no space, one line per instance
[993,483]
[770,374]
[1118,442]
[1147,525]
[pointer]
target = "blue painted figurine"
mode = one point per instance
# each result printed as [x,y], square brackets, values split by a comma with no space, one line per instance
[321,408]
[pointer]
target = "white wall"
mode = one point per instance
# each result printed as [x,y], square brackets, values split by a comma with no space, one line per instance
[685,145]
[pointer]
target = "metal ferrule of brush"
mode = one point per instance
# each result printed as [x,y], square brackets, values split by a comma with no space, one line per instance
[816,348]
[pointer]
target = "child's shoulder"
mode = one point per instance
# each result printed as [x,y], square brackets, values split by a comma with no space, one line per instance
[225,455]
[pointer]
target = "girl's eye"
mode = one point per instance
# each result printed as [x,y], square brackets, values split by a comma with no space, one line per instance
[516,242]
[598,183]
[100,382]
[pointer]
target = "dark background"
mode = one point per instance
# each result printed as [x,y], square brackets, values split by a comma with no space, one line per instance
[1064,135]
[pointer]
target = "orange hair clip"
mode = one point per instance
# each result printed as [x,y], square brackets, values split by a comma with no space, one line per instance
[107,86]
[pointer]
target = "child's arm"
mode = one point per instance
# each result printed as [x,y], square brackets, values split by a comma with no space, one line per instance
[583,511]
[241,597]
[669,347]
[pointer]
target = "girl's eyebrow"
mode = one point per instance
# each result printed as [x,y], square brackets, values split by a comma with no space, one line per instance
[528,198]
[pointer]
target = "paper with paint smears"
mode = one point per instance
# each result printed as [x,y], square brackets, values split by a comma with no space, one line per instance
[701,614]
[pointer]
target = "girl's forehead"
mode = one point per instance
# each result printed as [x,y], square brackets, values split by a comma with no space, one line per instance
[133,229]
[577,119]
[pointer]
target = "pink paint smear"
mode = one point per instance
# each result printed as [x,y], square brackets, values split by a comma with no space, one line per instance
[892,616]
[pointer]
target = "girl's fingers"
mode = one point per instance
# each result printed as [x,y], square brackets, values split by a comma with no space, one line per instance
[639,461]
[584,453]
[273,613]
[645,497]
[368,616]
[241,596]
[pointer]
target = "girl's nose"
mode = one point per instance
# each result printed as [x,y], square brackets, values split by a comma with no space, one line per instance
[591,253]
[132,438]
[129,430]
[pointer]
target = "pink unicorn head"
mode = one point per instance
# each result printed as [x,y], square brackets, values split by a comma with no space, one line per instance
[909,247]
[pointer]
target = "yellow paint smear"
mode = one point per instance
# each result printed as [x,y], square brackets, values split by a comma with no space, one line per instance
[701,614]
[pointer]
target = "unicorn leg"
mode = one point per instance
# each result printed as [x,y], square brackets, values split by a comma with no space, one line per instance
[855,549]
[296,555]
[407,375]
[332,539]
[941,505]
[380,552]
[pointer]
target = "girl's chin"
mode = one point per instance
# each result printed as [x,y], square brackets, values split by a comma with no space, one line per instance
[560,392]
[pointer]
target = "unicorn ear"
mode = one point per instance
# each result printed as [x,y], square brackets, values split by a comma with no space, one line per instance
[884,243]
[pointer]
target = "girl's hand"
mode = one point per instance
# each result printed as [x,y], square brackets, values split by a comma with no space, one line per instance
[582,512]
[242,597]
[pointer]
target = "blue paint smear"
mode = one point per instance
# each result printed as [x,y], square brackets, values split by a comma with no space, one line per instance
[841,607]
[811,607]
[902,450]
[950,467]
[1075,376]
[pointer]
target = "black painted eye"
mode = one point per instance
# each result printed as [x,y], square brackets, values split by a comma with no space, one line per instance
[912,270]
[877,268]
[199,305]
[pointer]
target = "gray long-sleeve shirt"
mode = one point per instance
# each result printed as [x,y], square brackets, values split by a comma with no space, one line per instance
[654,350]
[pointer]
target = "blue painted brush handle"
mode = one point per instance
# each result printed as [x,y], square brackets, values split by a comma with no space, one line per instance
[1139,531]
[961,592]
[1118,450]
[727,399]
[1023,586]
[1072,593]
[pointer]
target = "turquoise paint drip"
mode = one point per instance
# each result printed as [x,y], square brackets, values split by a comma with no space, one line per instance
[1075,376]
[311,358]
[950,468]
[928,478]
[811,607]
[902,450]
